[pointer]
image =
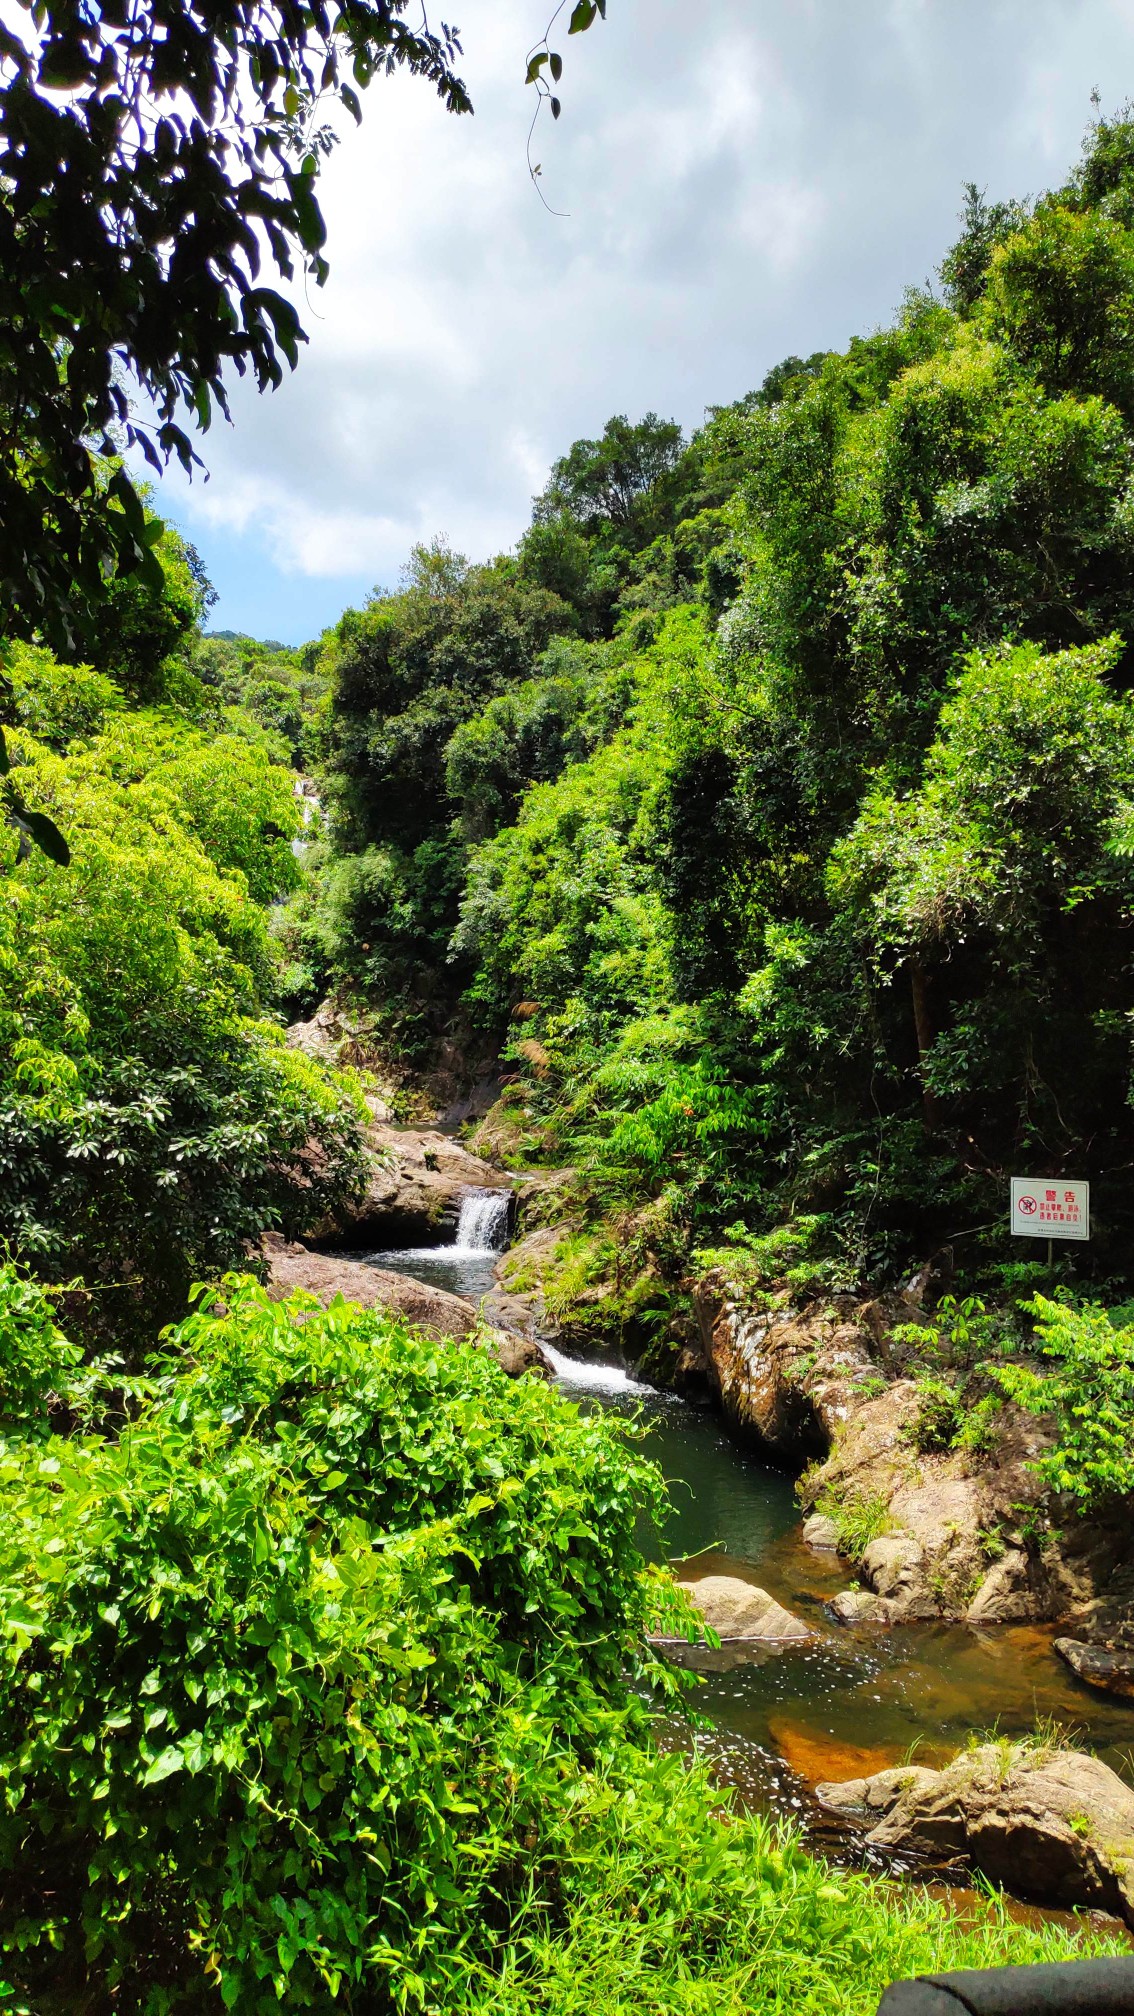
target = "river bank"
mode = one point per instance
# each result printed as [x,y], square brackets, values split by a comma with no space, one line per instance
[873,1685]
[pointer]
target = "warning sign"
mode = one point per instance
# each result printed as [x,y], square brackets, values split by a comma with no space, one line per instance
[1050,1208]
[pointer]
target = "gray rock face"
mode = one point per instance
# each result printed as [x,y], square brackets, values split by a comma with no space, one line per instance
[821,1533]
[431,1310]
[1054,1826]
[1007,1594]
[417,1179]
[1113,1672]
[734,1609]
[860,1606]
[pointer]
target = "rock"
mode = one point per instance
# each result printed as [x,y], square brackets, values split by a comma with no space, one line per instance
[868,1799]
[814,1754]
[431,1310]
[891,1561]
[1054,1826]
[786,1379]
[821,1533]
[860,1606]
[418,1177]
[736,1609]
[1007,1594]
[337,1035]
[826,1382]
[1113,1672]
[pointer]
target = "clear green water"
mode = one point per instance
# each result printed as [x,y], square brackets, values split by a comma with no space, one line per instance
[849,1702]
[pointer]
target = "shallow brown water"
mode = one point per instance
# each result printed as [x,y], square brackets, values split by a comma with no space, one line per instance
[782,1720]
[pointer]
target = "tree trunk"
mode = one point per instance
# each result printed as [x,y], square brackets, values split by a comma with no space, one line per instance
[923,1025]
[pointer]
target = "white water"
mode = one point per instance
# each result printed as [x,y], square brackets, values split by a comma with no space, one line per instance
[581,1377]
[483,1224]
[467,1266]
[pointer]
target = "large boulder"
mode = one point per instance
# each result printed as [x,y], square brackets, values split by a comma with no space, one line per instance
[1056,1826]
[431,1310]
[790,1380]
[418,1179]
[736,1609]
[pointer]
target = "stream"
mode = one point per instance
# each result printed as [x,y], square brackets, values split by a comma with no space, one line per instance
[782,1719]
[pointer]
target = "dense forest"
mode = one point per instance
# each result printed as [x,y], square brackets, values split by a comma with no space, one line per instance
[761,830]
[770,808]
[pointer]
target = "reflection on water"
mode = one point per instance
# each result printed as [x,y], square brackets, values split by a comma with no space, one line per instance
[462,1273]
[849,1702]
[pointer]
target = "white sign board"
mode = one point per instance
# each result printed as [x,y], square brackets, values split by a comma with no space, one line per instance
[1050,1207]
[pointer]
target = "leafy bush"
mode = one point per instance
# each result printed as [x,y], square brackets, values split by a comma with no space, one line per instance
[37,1364]
[344,1613]
[151,1121]
[1091,1395]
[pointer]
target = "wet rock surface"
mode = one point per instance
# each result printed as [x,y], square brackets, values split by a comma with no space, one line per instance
[860,1606]
[1112,1672]
[431,1310]
[821,1533]
[418,1177]
[1053,1826]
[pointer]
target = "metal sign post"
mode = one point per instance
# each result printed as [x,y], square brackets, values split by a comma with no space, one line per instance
[1051,1208]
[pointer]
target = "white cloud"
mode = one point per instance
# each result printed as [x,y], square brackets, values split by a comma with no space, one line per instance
[765,180]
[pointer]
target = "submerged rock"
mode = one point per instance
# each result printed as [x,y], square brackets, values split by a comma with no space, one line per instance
[1056,1826]
[814,1753]
[431,1310]
[1113,1672]
[736,1609]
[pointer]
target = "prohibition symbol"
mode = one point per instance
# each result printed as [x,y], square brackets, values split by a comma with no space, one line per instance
[1027,1205]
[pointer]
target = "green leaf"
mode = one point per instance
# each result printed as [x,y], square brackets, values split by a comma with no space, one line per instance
[165,1764]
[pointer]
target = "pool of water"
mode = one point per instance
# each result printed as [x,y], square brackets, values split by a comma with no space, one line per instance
[848,1702]
[463,1271]
[466,1267]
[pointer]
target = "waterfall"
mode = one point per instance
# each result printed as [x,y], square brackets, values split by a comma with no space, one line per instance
[579,1375]
[483,1224]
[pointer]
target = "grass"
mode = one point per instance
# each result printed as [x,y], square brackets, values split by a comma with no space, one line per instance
[668,1907]
[859,1521]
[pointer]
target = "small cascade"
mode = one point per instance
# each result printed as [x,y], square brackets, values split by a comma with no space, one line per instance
[467,1265]
[579,1375]
[483,1224]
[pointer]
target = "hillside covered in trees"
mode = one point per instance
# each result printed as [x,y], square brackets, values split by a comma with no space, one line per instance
[770,808]
[761,832]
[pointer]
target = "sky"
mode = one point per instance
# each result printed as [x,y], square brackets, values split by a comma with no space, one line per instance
[743,180]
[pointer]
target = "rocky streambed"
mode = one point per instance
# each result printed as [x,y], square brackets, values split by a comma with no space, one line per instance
[945,1623]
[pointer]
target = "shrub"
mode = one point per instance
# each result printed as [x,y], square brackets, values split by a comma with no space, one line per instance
[37,1365]
[1091,1395]
[300,1669]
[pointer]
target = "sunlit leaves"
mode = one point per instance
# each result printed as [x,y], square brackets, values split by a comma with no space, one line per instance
[130,251]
